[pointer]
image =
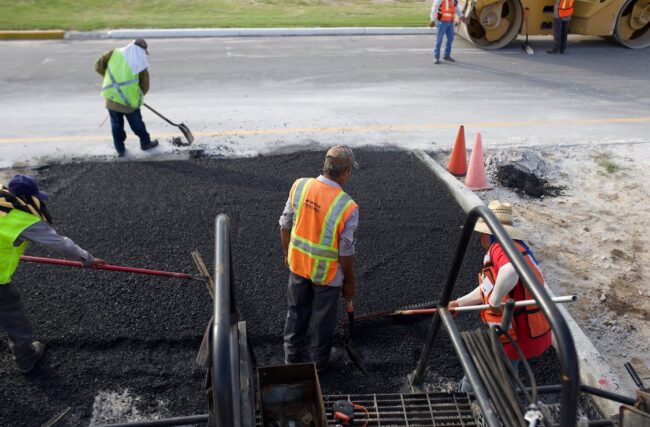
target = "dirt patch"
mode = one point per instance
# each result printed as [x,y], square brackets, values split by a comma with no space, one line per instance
[592,238]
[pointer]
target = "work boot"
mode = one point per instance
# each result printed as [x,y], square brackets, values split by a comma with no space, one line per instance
[26,361]
[334,357]
[152,144]
[552,51]
[436,61]
[292,359]
[449,58]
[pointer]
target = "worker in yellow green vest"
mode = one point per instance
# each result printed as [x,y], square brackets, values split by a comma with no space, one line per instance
[23,218]
[126,81]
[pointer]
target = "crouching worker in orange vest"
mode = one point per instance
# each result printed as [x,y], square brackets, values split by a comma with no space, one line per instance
[23,218]
[499,281]
[317,229]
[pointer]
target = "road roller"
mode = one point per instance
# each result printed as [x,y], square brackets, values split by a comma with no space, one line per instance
[493,24]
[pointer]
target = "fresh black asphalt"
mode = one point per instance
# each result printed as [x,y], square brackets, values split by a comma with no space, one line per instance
[111,331]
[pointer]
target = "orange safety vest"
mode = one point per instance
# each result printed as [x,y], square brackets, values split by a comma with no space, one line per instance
[565,8]
[447,10]
[538,326]
[320,213]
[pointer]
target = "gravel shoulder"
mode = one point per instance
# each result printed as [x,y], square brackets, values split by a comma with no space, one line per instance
[592,240]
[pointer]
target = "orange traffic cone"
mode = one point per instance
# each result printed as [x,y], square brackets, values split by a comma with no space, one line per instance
[475,178]
[458,159]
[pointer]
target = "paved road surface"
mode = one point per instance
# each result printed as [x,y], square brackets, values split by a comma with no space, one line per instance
[246,95]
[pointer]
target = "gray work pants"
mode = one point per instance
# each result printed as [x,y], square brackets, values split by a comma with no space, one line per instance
[309,301]
[15,322]
[560,33]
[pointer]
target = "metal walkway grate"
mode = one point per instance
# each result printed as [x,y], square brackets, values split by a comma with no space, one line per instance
[409,410]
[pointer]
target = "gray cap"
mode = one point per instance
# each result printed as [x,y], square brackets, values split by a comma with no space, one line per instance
[142,43]
[342,152]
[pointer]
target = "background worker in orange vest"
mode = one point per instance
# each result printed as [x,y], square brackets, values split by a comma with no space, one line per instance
[498,282]
[317,230]
[562,12]
[443,13]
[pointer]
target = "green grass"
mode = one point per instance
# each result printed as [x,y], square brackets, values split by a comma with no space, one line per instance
[85,15]
[608,166]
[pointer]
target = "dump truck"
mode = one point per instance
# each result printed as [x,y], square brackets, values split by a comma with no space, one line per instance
[493,24]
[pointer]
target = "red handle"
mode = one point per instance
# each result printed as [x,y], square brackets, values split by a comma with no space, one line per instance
[418,311]
[109,267]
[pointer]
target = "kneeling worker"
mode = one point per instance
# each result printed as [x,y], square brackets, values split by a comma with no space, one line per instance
[24,217]
[499,281]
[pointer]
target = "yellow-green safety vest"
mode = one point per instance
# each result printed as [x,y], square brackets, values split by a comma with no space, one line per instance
[11,226]
[121,84]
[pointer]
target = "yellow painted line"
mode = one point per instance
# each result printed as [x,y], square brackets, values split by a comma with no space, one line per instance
[32,35]
[351,129]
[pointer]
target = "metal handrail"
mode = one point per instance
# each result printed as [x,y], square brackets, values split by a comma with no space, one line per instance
[222,381]
[569,370]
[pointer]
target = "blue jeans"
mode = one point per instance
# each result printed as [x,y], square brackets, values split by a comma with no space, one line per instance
[444,29]
[466,387]
[137,125]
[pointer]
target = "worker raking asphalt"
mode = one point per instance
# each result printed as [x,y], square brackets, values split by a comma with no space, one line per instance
[110,331]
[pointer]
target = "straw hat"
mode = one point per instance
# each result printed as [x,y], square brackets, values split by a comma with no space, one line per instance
[503,212]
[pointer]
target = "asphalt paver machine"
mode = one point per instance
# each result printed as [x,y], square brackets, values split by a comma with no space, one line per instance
[241,395]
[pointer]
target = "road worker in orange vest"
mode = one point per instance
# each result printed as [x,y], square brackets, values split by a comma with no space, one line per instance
[317,229]
[499,281]
[562,12]
[443,15]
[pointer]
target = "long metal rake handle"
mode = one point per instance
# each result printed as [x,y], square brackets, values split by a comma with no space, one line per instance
[136,270]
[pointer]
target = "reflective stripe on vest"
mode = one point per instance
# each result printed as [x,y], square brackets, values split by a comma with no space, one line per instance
[565,8]
[447,10]
[313,248]
[12,225]
[536,320]
[121,85]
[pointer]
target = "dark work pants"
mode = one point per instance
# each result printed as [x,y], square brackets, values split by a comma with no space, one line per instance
[560,33]
[309,301]
[137,125]
[15,322]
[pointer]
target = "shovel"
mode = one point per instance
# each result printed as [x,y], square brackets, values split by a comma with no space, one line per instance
[525,46]
[353,353]
[182,127]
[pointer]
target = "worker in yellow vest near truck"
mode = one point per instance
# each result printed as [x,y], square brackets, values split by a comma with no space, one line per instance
[24,217]
[443,15]
[317,229]
[562,13]
[126,81]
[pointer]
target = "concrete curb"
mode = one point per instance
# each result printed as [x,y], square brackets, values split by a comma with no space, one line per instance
[245,32]
[594,369]
[32,35]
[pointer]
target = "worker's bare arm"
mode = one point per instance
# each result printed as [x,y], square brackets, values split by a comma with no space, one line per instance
[285,235]
[349,283]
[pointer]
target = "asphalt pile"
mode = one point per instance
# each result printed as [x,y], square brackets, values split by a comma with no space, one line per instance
[525,182]
[110,331]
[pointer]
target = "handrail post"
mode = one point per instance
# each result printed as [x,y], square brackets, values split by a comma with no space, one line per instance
[222,394]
